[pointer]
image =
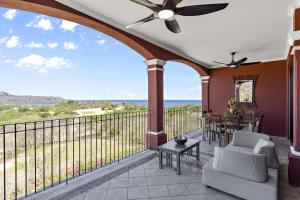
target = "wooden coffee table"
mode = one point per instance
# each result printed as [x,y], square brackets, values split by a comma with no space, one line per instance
[171,148]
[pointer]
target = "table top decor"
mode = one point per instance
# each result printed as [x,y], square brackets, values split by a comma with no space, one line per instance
[180,140]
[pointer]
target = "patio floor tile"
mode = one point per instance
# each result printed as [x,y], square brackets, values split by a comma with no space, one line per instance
[158,191]
[177,189]
[96,194]
[196,188]
[118,182]
[137,173]
[137,192]
[137,181]
[117,194]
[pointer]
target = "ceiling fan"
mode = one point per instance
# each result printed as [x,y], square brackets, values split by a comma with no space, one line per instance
[169,9]
[235,64]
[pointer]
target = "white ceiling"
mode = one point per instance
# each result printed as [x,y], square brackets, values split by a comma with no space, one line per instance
[257,29]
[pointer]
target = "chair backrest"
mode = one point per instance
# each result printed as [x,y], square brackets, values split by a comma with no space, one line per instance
[260,123]
[249,116]
[232,123]
[214,121]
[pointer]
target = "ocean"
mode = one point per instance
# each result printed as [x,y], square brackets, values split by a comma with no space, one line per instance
[138,102]
[166,102]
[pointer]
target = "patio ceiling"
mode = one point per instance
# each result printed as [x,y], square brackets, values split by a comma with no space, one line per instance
[256,29]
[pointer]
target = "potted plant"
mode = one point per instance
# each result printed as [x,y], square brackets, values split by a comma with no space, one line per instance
[233,107]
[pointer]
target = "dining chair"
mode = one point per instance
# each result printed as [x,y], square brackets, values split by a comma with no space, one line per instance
[205,125]
[231,124]
[249,119]
[259,123]
[214,127]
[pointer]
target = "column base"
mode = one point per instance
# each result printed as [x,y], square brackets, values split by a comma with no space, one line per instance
[294,172]
[153,141]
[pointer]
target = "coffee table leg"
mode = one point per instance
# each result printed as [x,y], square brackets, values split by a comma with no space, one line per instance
[198,151]
[178,164]
[160,159]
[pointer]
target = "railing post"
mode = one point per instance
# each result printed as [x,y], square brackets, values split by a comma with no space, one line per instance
[155,135]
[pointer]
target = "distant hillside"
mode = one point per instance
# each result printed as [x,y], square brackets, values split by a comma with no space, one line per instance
[7,98]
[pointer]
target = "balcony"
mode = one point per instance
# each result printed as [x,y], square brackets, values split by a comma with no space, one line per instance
[105,157]
[138,177]
[114,156]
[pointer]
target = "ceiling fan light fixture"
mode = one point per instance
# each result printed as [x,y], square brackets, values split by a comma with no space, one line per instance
[165,14]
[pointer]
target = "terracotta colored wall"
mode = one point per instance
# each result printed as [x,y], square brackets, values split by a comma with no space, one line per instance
[271,92]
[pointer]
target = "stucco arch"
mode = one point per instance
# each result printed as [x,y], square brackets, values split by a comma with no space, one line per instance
[55,9]
[199,69]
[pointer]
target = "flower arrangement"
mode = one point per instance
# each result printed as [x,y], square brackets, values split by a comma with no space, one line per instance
[233,107]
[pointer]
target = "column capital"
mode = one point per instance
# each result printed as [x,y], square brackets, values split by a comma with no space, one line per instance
[294,152]
[293,36]
[292,7]
[155,61]
[294,49]
[205,79]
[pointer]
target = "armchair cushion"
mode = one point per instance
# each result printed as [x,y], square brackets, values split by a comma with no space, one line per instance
[247,139]
[244,165]
[267,148]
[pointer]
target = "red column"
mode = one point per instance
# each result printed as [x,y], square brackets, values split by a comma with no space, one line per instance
[205,93]
[294,155]
[155,135]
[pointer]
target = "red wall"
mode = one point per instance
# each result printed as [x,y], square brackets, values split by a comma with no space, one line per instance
[270,93]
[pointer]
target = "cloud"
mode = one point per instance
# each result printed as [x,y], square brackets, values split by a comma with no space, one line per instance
[42,64]
[34,45]
[68,26]
[53,45]
[3,40]
[12,42]
[70,46]
[41,23]
[7,61]
[128,94]
[10,14]
[102,42]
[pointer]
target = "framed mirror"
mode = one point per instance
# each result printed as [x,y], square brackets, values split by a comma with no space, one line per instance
[244,89]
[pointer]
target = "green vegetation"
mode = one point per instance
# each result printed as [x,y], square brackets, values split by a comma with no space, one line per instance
[96,141]
[15,114]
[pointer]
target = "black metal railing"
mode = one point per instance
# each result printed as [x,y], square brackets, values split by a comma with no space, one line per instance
[180,121]
[38,155]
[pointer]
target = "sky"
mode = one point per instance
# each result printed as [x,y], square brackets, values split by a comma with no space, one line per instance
[46,56]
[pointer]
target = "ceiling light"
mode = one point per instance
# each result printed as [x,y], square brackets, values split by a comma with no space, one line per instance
[166,14]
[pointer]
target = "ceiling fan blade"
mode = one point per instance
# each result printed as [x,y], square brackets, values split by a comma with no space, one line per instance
[238,63]
[146,3]
[220,63]
[251,63]
[173,25]
[171,3]
[147,19]
[200,9]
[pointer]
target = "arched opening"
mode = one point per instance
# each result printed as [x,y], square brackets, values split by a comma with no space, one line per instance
[182,85]
[46,60]
[31,160]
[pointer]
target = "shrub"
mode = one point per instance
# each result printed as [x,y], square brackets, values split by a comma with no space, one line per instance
[24,109]
[44,114]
